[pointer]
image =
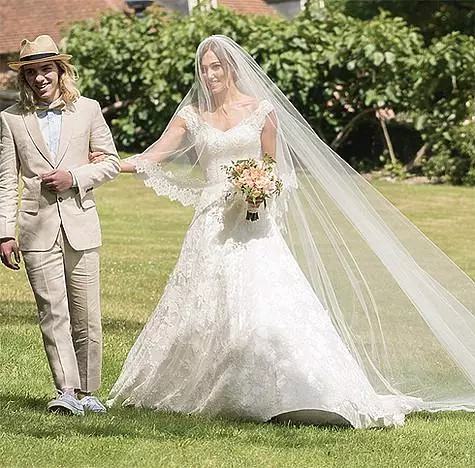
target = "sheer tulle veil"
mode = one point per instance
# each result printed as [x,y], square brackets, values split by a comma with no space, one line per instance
[403,308]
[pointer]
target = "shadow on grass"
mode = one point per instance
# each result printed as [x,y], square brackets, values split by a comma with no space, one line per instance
[14,402]
[24,313]
[26,416]
[121,325]
[17,313]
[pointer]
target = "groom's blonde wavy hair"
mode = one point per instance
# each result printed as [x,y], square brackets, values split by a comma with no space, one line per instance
[68,77]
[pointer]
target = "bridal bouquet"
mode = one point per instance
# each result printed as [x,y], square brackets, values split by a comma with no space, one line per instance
[256,181]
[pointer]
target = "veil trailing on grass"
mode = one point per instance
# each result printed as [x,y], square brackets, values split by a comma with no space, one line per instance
[403,308]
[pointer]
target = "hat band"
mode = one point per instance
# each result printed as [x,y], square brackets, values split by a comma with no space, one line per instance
[29,58]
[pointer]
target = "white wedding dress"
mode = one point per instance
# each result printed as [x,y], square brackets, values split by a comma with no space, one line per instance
[239,331]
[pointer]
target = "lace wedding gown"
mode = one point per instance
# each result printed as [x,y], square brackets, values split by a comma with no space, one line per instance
[239,331]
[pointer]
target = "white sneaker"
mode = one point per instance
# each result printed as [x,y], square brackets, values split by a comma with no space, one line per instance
[93,404]
[66,404]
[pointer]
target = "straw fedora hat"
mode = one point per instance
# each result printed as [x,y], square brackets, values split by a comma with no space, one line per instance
[42,49]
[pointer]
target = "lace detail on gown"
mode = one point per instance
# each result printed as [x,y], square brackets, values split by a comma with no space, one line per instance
[184,190]
[165,183]
[239,331]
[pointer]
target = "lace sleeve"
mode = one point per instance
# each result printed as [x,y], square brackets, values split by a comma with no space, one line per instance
[191,118]
[264,108]
[165,183]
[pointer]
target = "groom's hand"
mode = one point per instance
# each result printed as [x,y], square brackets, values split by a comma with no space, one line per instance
[9,247]
[57,181]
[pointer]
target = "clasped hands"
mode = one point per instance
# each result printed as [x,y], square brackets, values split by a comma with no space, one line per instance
[59,180]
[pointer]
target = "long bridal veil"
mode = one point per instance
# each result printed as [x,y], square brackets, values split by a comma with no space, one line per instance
[403,308]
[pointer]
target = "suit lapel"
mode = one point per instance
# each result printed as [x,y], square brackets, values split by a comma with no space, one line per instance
[33,128]
[67,126]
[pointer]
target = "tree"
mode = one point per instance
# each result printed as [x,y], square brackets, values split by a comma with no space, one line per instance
[434,18]
[368,87]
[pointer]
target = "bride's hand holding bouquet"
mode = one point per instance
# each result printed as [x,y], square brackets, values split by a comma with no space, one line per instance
[256,181]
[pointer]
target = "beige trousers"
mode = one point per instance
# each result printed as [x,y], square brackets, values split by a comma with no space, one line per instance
[65,283]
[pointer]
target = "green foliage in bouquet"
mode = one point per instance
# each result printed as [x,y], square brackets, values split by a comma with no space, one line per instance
[255,181]
[244,173]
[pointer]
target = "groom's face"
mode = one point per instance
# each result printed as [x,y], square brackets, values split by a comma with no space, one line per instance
[43,79]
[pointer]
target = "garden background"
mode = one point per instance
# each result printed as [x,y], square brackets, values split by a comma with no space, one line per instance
[356,73]
[386,89]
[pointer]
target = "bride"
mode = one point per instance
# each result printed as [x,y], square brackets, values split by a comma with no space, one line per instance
[332,308]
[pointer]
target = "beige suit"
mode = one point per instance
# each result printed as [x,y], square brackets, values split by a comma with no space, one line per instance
[59,234]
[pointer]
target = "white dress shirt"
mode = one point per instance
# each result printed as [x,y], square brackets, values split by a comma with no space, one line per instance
[50,125]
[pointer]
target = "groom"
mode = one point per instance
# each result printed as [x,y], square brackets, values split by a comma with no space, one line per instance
[46,137]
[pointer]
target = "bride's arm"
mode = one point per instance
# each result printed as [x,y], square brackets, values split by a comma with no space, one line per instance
[168,142]
[126,166]
[269,135]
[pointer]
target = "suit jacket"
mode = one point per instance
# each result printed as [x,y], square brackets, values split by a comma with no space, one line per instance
[42,212]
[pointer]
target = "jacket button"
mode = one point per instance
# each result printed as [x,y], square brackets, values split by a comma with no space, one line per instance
[60,199]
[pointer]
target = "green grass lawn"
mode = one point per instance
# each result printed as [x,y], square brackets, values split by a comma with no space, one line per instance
[142,238]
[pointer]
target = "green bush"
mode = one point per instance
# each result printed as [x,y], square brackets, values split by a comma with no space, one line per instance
[434,18]
[336,69]
[455,160]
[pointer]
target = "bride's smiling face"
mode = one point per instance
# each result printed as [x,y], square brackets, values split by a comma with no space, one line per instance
[213,73]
